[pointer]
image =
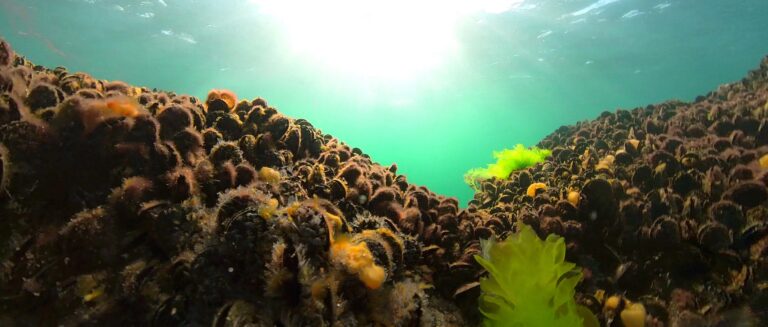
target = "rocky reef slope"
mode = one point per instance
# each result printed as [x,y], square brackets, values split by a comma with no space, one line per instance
[122,205]
[666,205]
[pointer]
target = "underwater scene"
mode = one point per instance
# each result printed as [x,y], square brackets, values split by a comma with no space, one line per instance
[521,163]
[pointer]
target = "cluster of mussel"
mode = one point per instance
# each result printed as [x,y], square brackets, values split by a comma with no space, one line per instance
[666,205]
[123,205]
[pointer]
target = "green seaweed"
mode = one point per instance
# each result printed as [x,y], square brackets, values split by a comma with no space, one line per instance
[529,283]
[507,161]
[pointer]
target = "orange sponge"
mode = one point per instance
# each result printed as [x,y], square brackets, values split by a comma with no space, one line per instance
[357,259]
[227,96]
[96,111]
[531,191]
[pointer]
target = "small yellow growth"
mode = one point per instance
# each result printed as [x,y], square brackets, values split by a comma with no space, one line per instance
[89,287]
[764,161]
[334,223]
[291,209]
[99,110]
[635,143]
[94,294]
[611,303]
[268,209]
[373,276]
[357,259]
[573,198]
[533,188]
[600,295]
[123,106]
[318,289]
[633,315]
[605,163]
[269,175]
[135,91]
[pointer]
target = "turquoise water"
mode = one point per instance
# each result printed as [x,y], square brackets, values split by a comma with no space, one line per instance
[434,86]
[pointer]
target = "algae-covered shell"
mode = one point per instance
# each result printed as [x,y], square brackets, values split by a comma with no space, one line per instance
[685,182]
[598,203]
[237,313]
[226,151]
[338,189]
[714,237]
[246,234]
[722,127]
[277,125]
[747,194]
[190,145]
[665,232]
[292,139]
[170,312]
[6,54]
[386,246]
[43,95]
[740,173]
[5,170]
[167,225]
[643,177]
[211,137]
[219,105]
[567,210]
[229,125]
[728,214]
[245,174]
[173,119]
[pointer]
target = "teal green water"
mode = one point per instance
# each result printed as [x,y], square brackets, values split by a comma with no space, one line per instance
[434,86]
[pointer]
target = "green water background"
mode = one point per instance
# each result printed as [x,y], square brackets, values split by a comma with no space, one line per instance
[516,76]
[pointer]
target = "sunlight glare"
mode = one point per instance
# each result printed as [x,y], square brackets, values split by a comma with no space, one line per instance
[374,38]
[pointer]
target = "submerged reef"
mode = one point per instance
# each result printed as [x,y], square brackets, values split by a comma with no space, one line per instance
[123,205]
[666,206]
